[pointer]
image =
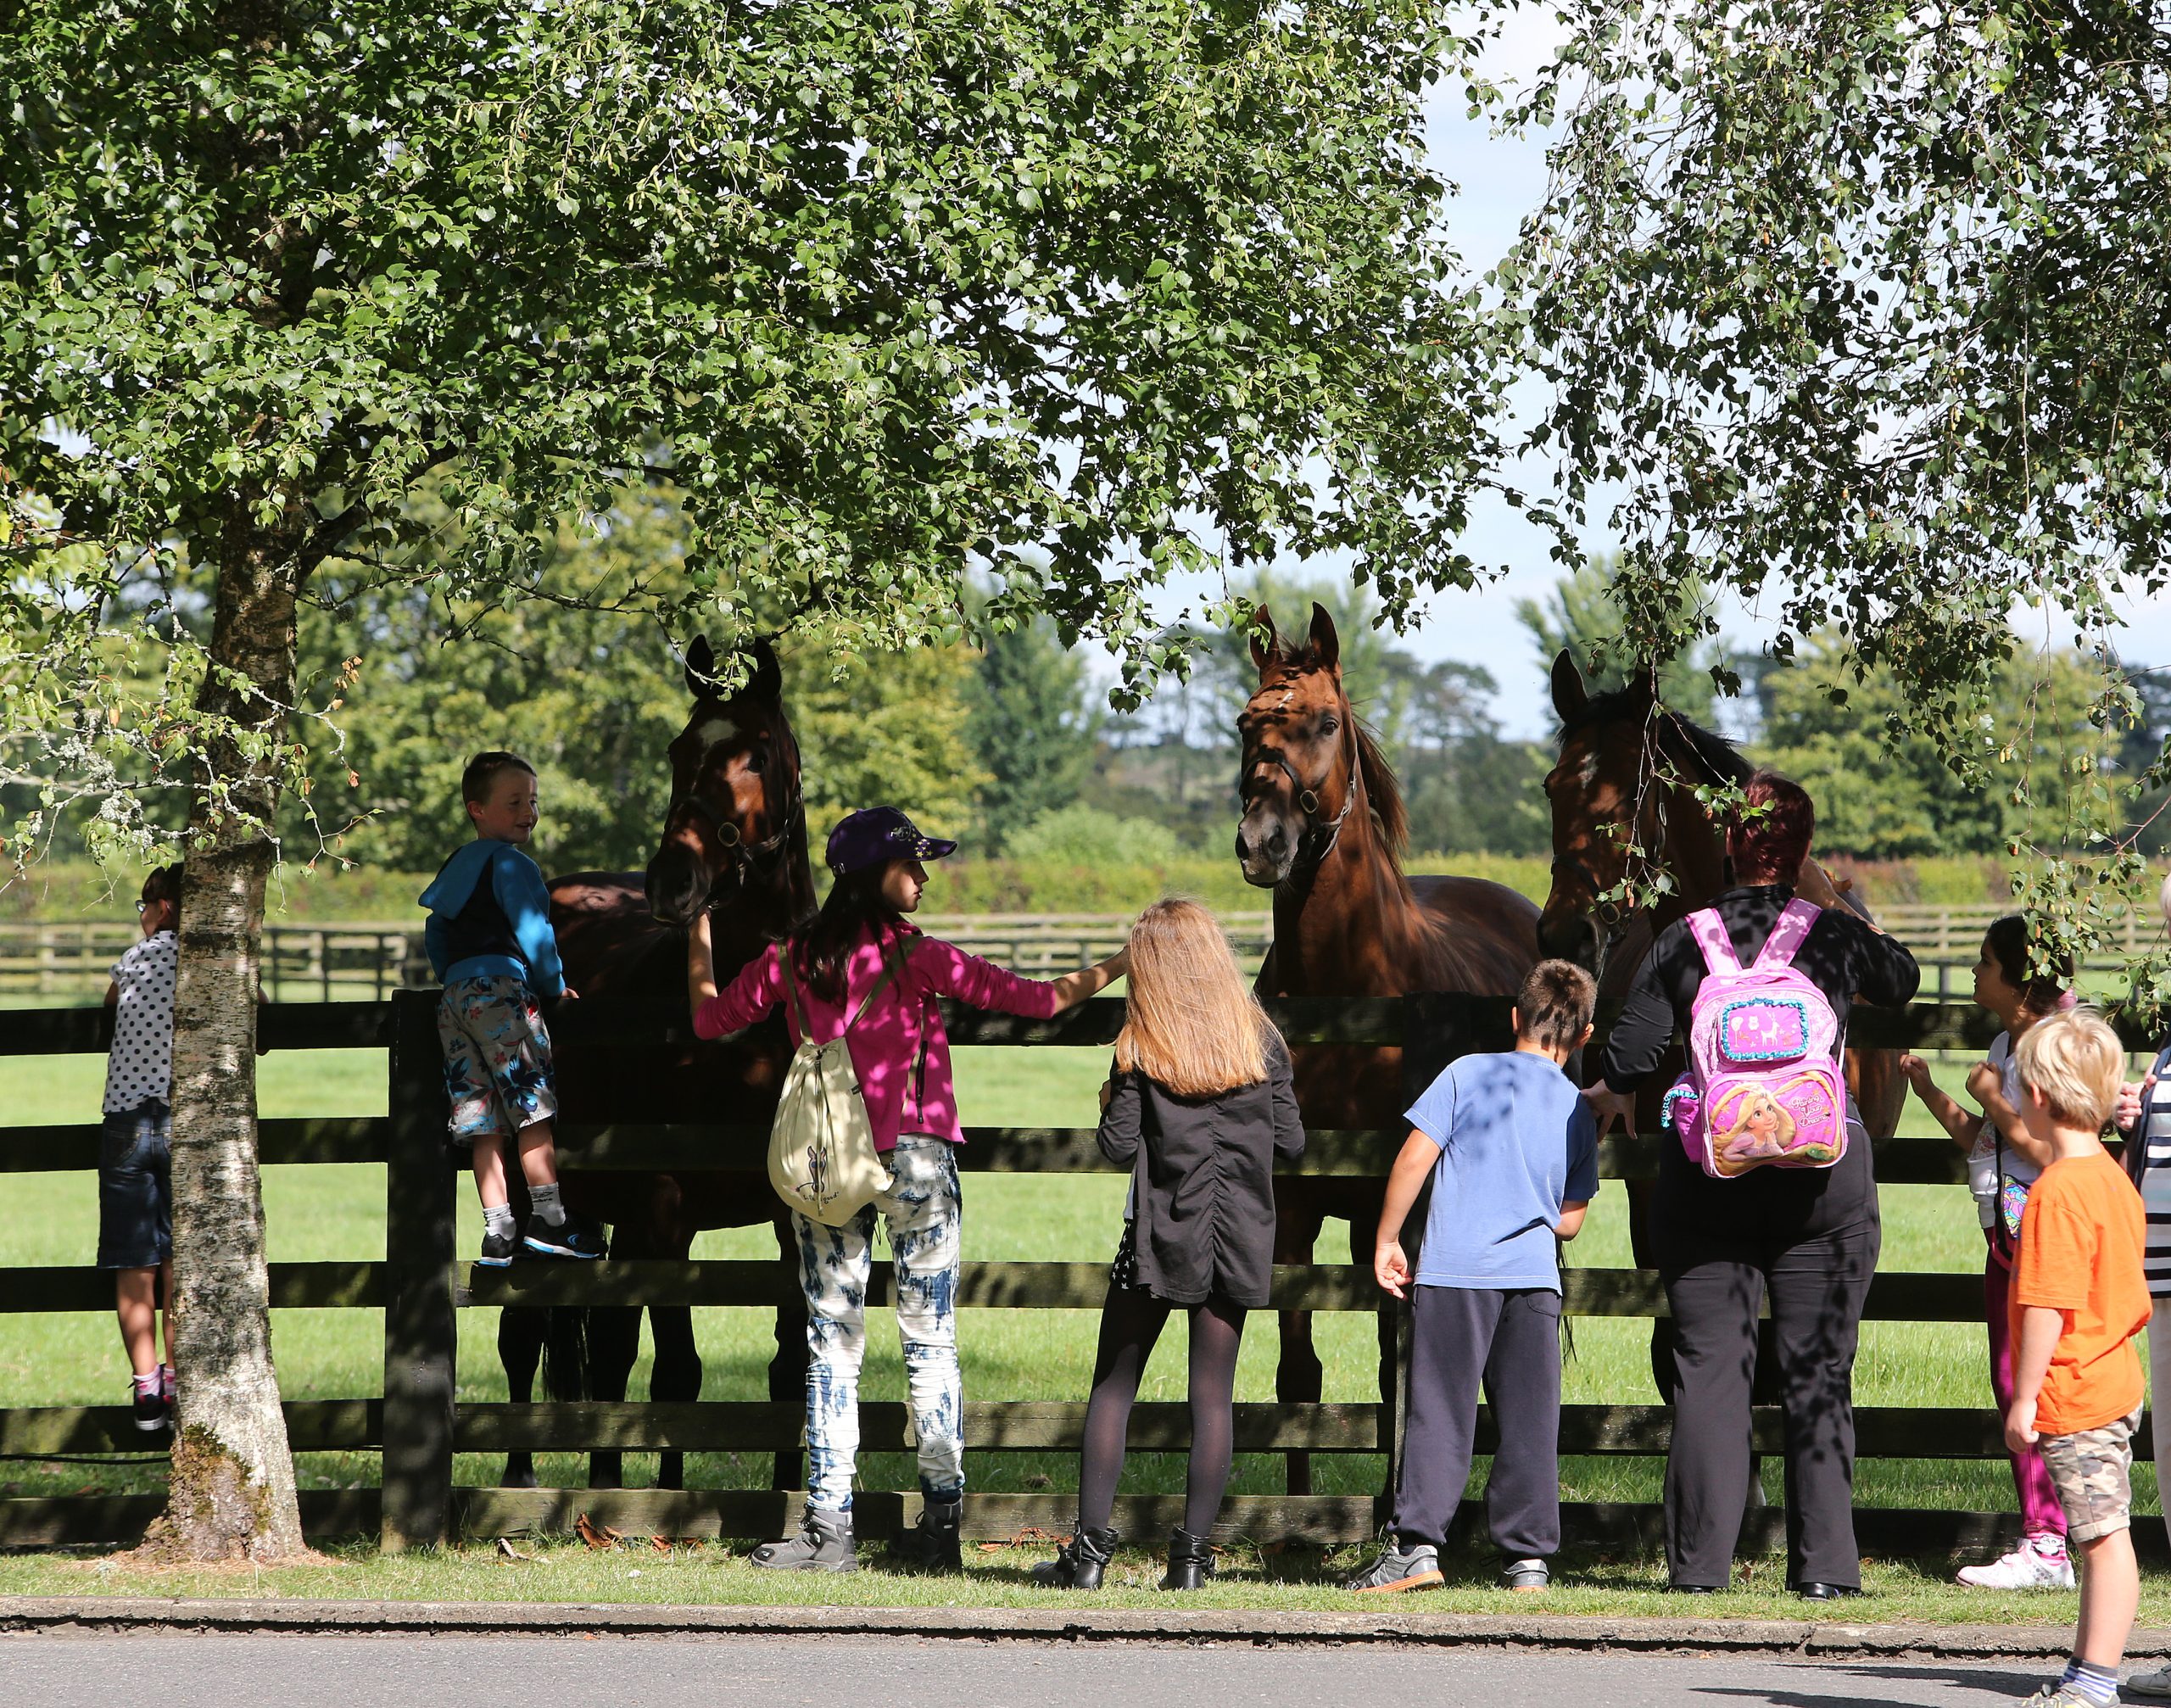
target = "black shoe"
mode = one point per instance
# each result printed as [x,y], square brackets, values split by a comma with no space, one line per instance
[152,1413]
[1692,1589]
[574,1238]
[499,1250]
[1824,1592]
[1191,1561]
[1079,1562]
[934,1544]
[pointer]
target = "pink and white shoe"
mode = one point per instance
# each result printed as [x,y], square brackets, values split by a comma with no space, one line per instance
[2038,1563]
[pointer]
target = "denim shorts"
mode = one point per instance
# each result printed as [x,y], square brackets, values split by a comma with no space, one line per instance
[135,1187]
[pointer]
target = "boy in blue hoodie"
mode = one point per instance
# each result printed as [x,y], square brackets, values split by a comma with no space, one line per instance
[490,941]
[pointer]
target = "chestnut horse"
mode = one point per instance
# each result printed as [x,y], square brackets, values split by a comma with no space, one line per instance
[1323,825]
[1625,808]
[734,843]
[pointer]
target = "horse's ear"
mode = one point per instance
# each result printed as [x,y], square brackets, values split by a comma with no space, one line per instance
[768,683]
[700,669]
[1570,696]
[1326,644]
[1263,652]
[1645,684]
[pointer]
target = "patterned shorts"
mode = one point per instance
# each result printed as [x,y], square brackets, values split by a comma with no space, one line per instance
[497,1057]
[2092,1470]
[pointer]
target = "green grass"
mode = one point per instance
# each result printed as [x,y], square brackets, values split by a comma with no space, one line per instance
[337,1212]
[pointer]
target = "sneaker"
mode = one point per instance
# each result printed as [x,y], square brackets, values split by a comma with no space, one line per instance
[823,1544]
[152,1413]
[1526,1575]
[2156,1684]
[1416,1567]
[2063,1696]
[2029,1566]
[574,1238]
[499,1250]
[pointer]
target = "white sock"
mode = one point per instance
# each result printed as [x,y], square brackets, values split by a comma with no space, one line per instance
[547,1210]
[153,1385]
[497,1218]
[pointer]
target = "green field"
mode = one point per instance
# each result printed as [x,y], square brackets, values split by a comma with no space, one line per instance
[337,1213]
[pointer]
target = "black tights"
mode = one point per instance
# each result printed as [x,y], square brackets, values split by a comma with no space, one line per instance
[1130,1322]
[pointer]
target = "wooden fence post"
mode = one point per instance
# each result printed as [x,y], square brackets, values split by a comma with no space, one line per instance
[421,1333]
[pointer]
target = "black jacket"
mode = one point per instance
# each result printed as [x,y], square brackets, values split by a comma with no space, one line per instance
[1203,1171]
[1844,959]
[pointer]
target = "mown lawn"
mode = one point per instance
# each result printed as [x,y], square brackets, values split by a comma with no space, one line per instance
[337,1212]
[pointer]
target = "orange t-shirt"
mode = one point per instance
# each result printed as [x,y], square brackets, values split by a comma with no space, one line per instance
[2081,1253]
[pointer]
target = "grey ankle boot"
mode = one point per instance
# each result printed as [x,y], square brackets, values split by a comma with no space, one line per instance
[823,1544]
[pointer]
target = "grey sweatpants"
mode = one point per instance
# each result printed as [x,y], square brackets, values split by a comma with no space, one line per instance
[1509,1344]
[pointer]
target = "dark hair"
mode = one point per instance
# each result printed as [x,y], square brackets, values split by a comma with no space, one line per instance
[476,781]
[164,884]
[2008,942]
[1770,839]
[1554,1004]
[821,952]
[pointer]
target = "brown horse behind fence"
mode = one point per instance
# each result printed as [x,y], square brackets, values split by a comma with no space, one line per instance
[1323,825]
[735,842]
[1626,812]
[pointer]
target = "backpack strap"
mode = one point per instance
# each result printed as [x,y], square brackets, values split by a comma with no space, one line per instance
[1788,934]
[1710,932]
[797,1003]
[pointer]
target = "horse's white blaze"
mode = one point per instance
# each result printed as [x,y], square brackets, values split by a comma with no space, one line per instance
[713,731]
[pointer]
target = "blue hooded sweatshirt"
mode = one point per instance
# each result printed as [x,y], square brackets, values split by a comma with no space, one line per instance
[490,918]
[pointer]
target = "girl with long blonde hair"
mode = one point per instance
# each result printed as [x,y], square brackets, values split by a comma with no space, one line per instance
[1198,1105]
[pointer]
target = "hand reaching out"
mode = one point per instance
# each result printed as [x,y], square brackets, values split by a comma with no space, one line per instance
[1609,1105]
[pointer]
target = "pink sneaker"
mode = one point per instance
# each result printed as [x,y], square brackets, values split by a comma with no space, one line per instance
[2038,1563]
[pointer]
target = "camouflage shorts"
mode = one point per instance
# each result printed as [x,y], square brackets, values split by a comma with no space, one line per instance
[497,1057]
[2092,1470]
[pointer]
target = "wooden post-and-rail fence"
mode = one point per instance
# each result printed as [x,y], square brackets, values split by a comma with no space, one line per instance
[419,1425]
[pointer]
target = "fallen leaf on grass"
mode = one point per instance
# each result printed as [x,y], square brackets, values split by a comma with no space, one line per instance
[597,1536]
[507,1551]
[661,1544]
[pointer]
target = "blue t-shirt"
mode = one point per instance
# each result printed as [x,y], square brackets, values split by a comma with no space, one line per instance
[1516,1142]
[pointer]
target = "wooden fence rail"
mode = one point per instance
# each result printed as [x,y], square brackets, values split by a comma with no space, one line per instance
[417,1425]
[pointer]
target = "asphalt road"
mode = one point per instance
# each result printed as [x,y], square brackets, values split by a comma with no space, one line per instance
[98,1671]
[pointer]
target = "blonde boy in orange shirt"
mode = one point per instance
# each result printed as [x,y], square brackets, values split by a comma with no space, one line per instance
[2078,1300]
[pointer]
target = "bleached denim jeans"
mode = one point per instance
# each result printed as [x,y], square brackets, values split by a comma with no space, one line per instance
[923,1210]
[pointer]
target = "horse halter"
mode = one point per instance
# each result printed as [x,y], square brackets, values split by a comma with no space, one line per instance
[1307,798]
[742,854]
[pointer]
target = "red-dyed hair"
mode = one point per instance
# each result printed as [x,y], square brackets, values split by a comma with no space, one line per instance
[1770,846]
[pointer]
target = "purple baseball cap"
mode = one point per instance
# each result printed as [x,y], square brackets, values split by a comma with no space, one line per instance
[874,834]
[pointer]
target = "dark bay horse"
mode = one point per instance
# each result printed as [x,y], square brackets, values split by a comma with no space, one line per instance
[734,842]
[1624,810]
[1323,825]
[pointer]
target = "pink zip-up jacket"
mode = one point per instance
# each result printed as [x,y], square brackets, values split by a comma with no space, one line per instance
[886,1041]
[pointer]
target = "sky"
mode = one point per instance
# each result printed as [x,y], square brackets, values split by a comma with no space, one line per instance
[1500,179]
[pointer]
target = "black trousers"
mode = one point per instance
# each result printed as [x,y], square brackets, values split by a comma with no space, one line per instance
[1717,1270]
[1509,1343]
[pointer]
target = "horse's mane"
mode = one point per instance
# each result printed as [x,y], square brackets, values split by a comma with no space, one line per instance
[1714,750]
[1382,789]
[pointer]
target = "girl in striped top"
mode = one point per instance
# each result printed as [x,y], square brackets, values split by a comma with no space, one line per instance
[2003,1160]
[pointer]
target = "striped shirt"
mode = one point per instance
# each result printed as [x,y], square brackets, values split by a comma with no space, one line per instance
[2153,1175]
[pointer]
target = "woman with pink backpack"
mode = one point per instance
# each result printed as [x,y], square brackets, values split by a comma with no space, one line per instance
[1764,1187]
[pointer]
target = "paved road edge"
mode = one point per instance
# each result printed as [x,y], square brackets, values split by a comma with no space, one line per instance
[112,1614]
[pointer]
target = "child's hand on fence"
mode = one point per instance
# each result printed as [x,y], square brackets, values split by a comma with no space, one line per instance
[1983,1080]
[2132,1097]
[1610,1105]
[1391,1268]
[568,995]
[2020,1433]
[1917,1072]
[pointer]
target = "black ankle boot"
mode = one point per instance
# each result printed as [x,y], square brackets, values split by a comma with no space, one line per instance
[1079,1563]
[1191,1561]
[933,1544]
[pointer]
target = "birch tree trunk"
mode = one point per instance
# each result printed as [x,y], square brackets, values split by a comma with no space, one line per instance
[232,1491]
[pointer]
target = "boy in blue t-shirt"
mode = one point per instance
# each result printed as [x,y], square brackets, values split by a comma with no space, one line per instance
[1511,1147]
[489,941]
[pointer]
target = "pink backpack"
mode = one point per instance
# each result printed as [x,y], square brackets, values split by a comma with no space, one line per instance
[1763,1085]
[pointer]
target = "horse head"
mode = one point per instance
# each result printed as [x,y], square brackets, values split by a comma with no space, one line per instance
[1301,773]
[1622,811]
[735,799]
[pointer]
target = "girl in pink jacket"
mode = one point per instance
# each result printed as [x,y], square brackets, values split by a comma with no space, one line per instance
[860,948]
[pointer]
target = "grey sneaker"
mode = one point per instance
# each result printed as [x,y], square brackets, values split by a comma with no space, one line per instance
[823,1544]
[2060,1696]
[1525,1574]
[1415,1567]
[2155,1684]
